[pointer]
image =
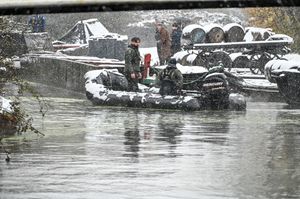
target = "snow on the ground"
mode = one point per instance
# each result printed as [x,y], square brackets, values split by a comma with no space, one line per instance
[5,105]
[292,57]
[201,17]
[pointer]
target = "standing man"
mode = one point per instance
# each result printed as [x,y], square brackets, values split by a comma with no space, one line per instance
[37,23]
[176,38]
[158,42]
[33,22]
[163,43]
[132,64]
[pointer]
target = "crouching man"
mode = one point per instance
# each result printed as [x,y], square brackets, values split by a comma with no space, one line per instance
[170,79]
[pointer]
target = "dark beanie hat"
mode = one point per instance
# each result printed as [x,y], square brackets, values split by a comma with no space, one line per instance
[135,39]
[172,62]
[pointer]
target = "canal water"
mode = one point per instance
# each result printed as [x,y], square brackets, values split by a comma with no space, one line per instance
[109,152]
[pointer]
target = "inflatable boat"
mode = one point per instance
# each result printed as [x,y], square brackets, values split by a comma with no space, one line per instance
[287,76]
[108,87]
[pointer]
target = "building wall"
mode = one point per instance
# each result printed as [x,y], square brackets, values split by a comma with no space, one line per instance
[56,72]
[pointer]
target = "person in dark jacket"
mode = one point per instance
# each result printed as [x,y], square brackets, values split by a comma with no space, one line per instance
[132,64]
[170,79]
[175,38]
[37,23]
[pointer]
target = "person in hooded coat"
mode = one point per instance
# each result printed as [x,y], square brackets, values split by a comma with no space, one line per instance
[163,43]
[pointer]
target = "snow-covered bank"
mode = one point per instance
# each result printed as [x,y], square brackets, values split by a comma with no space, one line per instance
[5,105]
[8,119]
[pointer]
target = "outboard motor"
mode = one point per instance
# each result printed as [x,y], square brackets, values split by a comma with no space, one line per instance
[216,91]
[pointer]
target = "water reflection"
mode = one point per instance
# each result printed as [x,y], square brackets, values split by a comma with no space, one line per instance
[214,128]
[283,177]
[132,137]
[170,129]
[262,164]
[105,152]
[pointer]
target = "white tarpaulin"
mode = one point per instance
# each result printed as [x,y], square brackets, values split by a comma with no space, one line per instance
[81,32]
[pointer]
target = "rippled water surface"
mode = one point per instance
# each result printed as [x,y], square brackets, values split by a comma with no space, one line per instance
[109,152]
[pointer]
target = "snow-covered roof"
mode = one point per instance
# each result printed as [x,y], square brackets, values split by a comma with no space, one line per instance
[95,27]
[110,36]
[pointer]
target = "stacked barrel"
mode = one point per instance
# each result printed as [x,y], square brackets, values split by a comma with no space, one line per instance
[214,33]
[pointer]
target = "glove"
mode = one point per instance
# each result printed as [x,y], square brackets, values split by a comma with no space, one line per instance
[132,75]
[139,75]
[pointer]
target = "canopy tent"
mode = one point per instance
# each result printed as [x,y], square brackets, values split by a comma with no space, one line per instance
[83,30]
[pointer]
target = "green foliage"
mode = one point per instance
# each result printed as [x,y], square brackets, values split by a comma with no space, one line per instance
[283,20]
[9,74]
[19,117]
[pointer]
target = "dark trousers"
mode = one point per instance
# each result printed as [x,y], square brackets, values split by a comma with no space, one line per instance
[159,54]
[175,49]
[168,87]
[132,83]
